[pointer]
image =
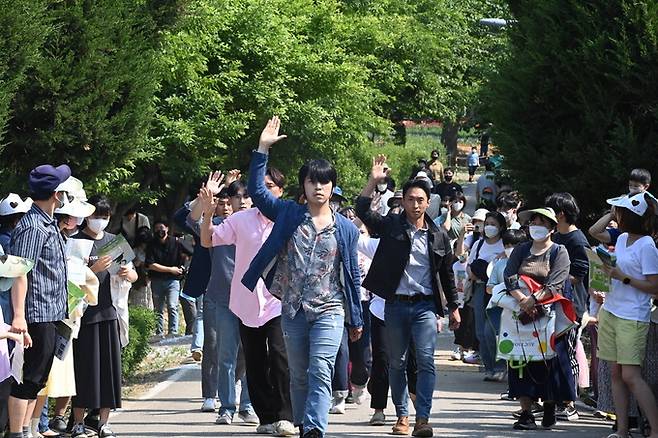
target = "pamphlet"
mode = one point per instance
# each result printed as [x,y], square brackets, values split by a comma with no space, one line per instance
[120,251]
[598,279]
[607,257]
[75,296]
[62,339]
[12,266]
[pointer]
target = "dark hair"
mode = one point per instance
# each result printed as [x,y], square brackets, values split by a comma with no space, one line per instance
[390,182]
[459,196]
[317,171]
[235,188]
[415,184]
[223,194]
[41,196]
[630,222]
[10,220]
[434,151]
[514,237]
[277,176]
[160,222]
[564,202]
[550,223]
[498,217]
[448,169]
[143,235]
[508,200]
[102,204]
[59,217]
[643,176]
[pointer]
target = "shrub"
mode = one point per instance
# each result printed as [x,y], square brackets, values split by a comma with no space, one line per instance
[142,327]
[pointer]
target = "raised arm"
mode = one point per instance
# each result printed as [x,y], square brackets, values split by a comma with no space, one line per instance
[372,219]
[599,230]
[263,199]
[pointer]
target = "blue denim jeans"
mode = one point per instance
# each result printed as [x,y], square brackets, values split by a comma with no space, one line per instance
[491,330]
[5,304]
[312,347]
[197,335]
[228,345]
[485,330]
[406,321]
[165,292]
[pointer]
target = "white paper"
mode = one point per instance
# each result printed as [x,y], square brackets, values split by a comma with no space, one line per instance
[77,257]
[17,362]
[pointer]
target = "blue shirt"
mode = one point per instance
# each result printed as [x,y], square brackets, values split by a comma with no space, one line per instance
[473,159]
[37,238]
[222,267]
[417,276]
[198,275]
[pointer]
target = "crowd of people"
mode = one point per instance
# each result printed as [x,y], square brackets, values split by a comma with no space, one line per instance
[297,307]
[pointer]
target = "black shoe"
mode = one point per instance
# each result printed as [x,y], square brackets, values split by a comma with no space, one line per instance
[349,399]
[313,433]
[525,422]
[92,420]
[548,420]
[536,409]
[58,424]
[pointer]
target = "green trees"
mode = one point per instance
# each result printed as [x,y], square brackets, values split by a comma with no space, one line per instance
[575,105]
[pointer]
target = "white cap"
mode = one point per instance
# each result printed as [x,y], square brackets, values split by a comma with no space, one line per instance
[13,204]
[72,185]
[422,175]
[480,214]
[636,203]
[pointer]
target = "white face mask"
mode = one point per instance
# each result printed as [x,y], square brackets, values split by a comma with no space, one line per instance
[508,251]
[538,232]
[458,206]
[490,231]
[634,190]
[382,187]
[444,211]
[97,225]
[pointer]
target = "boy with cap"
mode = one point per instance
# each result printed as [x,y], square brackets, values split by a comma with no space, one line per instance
[40,299]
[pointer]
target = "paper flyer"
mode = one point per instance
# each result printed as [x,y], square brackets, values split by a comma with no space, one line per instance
[598,279]
[12,266]
[75,296]
[120,251]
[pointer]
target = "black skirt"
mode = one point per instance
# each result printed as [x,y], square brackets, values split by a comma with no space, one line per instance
[97,361]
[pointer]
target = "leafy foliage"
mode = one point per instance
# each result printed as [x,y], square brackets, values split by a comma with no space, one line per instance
[141,328]
[574,106]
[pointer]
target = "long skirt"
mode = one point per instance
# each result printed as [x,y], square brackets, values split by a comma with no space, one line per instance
[97,360]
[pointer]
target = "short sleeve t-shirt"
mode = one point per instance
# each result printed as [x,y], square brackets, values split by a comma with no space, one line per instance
[498,272]
[637,261]
[487,252]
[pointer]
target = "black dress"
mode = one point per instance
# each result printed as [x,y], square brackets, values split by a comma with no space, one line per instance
[97,350]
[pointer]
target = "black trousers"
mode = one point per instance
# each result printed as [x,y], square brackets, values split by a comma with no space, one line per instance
[190,310]
[465,334]
[378,383]
[267,371]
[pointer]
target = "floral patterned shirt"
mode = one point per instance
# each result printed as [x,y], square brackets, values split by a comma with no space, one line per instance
[308,272]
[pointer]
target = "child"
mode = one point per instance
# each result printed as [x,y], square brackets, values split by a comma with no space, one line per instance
[639,181]
[511,238]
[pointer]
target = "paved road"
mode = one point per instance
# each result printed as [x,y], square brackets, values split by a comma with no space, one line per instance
[464,406]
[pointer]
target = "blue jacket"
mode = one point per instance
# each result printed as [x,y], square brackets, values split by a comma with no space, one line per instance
[287,216]
[198,275]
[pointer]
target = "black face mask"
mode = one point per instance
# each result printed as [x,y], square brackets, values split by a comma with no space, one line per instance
[161,233]
[448,178]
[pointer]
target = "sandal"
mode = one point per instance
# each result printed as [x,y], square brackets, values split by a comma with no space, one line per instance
[616,435]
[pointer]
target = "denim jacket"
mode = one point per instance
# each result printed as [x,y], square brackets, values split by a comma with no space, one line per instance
[287,216]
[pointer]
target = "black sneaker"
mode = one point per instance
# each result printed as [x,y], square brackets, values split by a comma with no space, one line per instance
[536,409]
[525,422]
[548,420]
[58,424]
[567,413]
[313,433]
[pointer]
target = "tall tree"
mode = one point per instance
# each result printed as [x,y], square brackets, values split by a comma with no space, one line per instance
[575,105]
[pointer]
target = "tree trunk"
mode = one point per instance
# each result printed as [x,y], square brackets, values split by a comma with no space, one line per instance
[400,133]
[449,136]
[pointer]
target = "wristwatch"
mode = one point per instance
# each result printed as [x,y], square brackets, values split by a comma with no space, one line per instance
[626,280]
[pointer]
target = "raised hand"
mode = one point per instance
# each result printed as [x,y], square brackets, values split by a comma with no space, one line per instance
[376,201]
[379,169]
[232,175]
[207,200]
[270,134]
[214,183]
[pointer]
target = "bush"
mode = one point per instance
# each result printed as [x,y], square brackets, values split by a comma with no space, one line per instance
[575,104]
[142,327]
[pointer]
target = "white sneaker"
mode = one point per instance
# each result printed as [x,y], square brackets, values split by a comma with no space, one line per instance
[284,428]
[457,354]
[266,429]
[224,418]
[208,405]
[337,405]
[359,394]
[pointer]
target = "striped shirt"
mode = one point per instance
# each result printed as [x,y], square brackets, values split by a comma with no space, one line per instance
[36,237]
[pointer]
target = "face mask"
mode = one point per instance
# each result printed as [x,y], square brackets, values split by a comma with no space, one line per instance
[508,251]
[62,199]
[97,225]
[634,190]
[538,232]
[160,233]
[444,211]
[382,187]
[448,178]
[458,206]
[490,231]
